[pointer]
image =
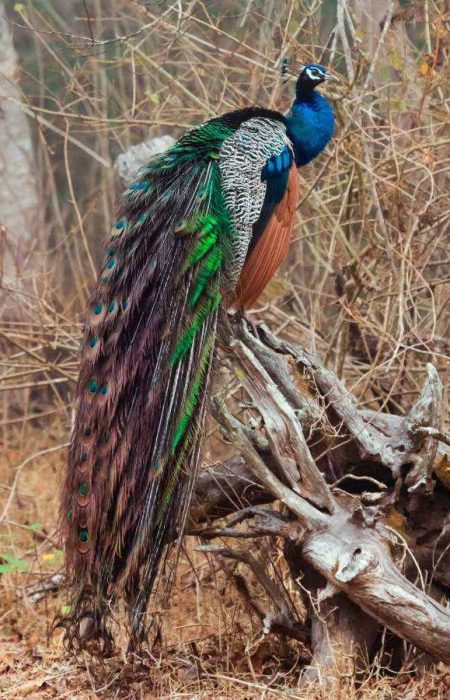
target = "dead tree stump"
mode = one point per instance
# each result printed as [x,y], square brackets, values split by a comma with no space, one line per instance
[354,494]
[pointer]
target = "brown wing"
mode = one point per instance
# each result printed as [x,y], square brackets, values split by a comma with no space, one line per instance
[271,249]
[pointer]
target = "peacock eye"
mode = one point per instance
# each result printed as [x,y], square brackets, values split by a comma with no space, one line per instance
[314,74]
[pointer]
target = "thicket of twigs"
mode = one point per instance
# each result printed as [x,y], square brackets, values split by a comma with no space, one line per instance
[365,288]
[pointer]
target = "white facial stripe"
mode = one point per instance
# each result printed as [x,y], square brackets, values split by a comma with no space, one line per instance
[312,76]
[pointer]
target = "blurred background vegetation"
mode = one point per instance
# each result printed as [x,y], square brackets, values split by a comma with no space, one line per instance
[366,285]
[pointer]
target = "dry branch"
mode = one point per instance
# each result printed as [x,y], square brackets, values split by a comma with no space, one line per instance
[347,538]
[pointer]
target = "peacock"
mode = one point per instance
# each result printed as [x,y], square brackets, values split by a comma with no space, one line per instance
[202,230]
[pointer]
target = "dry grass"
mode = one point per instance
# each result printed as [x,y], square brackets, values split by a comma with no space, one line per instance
[366,285]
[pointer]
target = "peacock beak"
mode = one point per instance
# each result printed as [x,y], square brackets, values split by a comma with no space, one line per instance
[330,76]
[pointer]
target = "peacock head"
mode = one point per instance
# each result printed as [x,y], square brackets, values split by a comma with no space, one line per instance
[312,75]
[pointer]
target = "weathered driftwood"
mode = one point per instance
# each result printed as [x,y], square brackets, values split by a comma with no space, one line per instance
[353,540]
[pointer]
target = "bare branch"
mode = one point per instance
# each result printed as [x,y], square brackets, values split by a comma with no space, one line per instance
[426,413]
[305,511]
[283,430]
[284,620]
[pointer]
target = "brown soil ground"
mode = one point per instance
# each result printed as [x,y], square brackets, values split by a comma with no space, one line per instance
[212,645]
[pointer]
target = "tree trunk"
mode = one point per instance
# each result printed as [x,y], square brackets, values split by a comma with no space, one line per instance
[19,201]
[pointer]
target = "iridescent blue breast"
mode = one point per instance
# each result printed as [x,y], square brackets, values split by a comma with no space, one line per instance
[310,126]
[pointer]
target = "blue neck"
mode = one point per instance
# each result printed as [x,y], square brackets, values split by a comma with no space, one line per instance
[310,125]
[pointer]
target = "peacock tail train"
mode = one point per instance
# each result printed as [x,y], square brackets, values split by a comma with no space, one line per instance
[205,226]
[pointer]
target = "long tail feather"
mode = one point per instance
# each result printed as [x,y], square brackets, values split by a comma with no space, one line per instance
[146,360]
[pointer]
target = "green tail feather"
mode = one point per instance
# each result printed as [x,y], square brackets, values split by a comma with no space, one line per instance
[149,343]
